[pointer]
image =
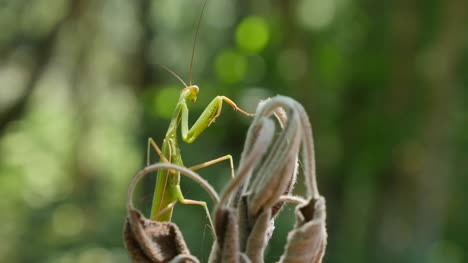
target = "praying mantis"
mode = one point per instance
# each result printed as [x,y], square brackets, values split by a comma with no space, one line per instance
[167,190]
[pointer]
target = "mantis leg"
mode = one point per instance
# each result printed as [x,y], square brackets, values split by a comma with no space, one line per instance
[208,116]
[217,160]
[152,143]
[184,201]
[233,105]
[164,210]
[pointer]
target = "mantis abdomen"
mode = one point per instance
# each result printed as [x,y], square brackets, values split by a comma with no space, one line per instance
[167,183]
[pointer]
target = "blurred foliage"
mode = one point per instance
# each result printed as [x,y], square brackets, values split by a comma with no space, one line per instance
[384,83]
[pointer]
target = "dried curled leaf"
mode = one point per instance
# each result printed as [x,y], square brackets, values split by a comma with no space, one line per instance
[226,249]
[276,174]
[264,182]
[258,240]
[150,242]
[308,239]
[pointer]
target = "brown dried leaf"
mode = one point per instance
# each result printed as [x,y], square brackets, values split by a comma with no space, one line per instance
[308,239]
[153,242]
[275,175]
[266,177]
[259,236]
[226,248]
[273,180]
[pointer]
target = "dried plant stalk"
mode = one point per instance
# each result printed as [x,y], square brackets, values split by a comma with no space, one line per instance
[307,241]
[264,182]
[225,250]
[225,215]
[257,242]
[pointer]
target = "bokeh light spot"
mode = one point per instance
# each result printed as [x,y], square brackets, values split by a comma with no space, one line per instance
[230,66]
[252,34]
[316,14]
[67,220]
[14,78]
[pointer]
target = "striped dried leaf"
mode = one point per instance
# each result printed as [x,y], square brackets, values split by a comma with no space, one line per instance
[266,178]
[307,241]
[153,242]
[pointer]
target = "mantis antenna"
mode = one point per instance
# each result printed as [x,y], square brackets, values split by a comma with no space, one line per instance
[174,74]
[195,42]
[193,52]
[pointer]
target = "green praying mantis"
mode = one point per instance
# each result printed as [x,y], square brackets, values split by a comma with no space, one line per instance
[167,190]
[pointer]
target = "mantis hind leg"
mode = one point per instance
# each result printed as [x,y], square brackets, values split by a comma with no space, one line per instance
[160,196]
[184,201]
[214,161]
[152,143]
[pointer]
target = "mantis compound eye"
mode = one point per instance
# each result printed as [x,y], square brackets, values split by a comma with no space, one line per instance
[193,92]
[195,89]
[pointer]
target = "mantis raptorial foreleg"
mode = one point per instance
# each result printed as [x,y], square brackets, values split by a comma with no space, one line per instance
[208,116]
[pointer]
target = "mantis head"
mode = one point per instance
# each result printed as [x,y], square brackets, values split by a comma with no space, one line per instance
[191,92]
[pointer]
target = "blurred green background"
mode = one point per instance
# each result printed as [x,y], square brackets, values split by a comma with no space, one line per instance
[385,84]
